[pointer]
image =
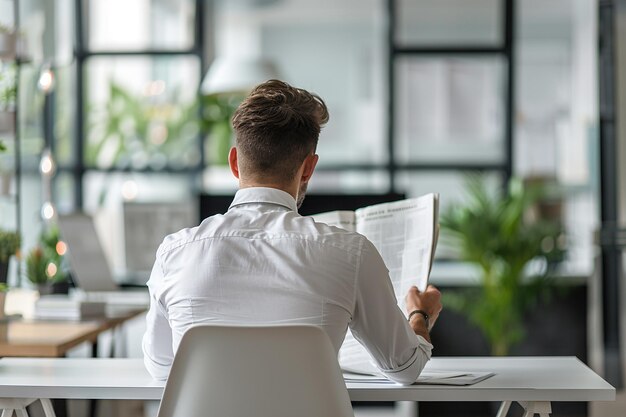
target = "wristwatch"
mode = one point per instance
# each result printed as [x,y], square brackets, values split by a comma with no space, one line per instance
[424,314]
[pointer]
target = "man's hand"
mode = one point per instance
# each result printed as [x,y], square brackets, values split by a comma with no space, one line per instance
[428,301]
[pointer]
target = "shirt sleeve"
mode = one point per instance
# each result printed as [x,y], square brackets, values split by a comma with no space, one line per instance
[381,327]
[157,341]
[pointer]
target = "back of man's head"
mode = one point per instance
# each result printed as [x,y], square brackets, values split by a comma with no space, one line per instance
[276,127]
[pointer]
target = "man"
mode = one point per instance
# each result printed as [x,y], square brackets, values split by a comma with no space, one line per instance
[263,263]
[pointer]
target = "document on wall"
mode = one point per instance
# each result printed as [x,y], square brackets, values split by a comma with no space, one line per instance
[405,233]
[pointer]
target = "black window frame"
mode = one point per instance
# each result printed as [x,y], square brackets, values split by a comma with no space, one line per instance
[82,54]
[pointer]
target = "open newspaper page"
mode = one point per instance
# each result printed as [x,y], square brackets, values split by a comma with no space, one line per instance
[405,233]
[341,218]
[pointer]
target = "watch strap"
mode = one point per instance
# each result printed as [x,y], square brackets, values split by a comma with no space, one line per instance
[423,313]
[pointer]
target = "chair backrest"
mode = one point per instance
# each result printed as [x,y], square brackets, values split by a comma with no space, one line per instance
[263,371]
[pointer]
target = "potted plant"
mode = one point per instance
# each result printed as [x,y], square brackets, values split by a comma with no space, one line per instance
[9,246]
[44,263]
[500,236]
[36,270]
[54,252]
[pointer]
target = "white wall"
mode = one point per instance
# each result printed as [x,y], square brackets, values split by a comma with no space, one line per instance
[621,103]
[620,37]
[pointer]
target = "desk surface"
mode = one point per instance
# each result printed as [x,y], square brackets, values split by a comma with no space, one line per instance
[515,379]
[39,338]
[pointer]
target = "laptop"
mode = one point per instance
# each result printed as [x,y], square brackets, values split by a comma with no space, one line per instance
[90,270]
[89,266]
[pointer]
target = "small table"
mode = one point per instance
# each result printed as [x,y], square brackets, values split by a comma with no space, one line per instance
[534,382]
[53,339]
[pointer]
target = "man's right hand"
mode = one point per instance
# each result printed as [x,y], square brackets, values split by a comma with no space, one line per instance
[428,301]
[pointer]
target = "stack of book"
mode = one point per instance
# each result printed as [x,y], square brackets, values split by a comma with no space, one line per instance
[63,307]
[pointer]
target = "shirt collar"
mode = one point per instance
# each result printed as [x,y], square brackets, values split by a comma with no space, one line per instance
[264,195]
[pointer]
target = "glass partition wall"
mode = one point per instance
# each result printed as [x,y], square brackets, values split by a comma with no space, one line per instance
[136,90]
[419,92]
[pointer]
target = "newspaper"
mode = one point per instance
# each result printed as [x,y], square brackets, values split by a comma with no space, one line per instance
[405,233]
[427,377]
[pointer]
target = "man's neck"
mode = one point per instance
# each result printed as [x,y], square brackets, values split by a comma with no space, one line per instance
[292,189]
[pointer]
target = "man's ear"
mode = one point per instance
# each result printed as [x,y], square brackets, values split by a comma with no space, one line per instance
[232,162]
[309,164]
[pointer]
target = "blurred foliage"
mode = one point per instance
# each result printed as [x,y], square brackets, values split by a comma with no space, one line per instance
[141,131]
[49,241]
[8,86]
[36,265]
[513,248]
[9,245]
[217,112]
[39,260]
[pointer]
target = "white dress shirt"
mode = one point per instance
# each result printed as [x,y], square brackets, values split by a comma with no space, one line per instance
[263,263]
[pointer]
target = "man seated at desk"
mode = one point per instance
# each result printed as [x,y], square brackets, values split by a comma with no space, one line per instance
[263,263]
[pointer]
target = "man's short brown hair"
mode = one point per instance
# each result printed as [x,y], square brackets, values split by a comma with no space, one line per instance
[276,127]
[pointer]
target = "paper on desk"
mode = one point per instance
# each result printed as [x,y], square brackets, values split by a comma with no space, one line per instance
[426,377]
[352,377]
[461,378]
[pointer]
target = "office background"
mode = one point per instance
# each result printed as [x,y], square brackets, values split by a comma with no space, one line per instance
[420,92]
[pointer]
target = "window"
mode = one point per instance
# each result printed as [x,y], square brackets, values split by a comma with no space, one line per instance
[136,97]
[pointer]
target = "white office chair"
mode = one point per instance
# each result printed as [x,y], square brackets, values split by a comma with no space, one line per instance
[265,371]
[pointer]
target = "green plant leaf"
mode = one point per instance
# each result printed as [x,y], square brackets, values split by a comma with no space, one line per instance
[495,233]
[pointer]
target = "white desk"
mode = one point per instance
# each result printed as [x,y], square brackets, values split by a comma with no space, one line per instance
[534,382]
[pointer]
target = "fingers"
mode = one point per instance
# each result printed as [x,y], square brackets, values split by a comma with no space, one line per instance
[429,300]
[430,287]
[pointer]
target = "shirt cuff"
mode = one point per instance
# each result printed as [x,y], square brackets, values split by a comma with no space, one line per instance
[156,370]
[407,373]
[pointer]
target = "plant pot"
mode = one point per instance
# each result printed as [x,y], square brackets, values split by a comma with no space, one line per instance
[44,289]
[7,122]
[60,287]
[4,272]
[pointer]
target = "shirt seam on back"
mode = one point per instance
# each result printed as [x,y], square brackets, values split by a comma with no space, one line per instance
[175,246]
